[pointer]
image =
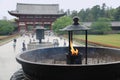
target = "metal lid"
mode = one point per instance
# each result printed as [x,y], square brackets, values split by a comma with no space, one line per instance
[75,26]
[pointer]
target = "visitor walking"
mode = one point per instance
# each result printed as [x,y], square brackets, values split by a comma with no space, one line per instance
[14,46]
[64,42]
[14,43]
[15,40]
[24,46]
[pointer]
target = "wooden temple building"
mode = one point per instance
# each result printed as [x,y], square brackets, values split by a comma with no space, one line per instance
[29,16]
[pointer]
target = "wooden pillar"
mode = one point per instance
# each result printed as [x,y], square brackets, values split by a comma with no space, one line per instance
[34,21]
[50,25]
[43,23]
[26,29]
[18,26]
[25,22]
[34,25]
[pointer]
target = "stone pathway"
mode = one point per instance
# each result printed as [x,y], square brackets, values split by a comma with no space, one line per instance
[8,63]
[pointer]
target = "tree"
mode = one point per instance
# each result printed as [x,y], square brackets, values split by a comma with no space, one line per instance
[74,13]
[68,12]
[117,14]
[82,15]
[61,23]
[6,27]
[102,11]
[110,13]
[101,26]
[88,16]
[96,12]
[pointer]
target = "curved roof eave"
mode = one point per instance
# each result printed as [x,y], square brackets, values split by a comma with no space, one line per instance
[13,14]
[18,14]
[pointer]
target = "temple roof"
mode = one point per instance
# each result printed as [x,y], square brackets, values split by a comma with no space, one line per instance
[38,9]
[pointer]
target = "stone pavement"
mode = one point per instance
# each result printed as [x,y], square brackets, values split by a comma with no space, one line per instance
[8,63]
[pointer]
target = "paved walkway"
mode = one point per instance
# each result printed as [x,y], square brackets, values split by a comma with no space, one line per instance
[8,63]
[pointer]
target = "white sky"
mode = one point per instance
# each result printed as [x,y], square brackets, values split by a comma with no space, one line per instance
[8,5]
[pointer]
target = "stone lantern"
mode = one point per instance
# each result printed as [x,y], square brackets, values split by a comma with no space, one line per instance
[40,33]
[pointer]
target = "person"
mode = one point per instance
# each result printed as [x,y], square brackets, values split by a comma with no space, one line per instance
[55,42]
[48,40]
[60,37]
[64,42]
[14,45]
[24,47]
[15,40]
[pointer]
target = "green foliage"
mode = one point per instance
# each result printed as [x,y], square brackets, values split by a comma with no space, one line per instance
[117,14]
[97,11]
[74,13]
[61,23]
[82,15]
[6,27]
[101,26]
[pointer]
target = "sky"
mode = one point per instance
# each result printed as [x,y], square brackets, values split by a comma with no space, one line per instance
[8,5]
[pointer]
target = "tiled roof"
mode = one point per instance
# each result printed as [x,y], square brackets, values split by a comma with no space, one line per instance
[37,9]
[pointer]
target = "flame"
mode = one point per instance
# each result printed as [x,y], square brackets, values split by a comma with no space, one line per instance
[73,51]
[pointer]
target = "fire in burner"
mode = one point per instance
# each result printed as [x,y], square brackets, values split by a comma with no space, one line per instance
[73,51]
[74,57]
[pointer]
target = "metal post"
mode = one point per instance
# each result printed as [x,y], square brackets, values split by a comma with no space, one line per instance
[71,35]
[70,39]
[86,46]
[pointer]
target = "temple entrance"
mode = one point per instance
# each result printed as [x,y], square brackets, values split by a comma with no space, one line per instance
[38,15]
[47,26]
[30,27]
[22,29]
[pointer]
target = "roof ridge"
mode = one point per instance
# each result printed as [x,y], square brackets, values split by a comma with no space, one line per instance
[34,4]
